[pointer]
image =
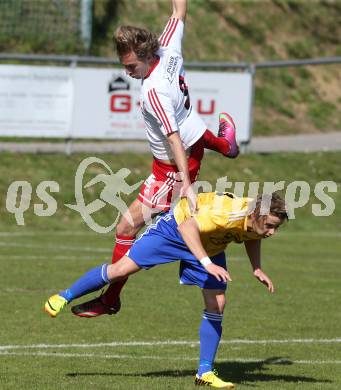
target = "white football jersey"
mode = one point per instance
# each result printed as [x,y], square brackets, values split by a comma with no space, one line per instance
[165,100]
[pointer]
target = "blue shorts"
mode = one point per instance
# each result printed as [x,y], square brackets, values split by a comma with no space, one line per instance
[161,243]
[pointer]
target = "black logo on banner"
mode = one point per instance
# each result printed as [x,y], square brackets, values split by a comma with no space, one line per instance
[118,84]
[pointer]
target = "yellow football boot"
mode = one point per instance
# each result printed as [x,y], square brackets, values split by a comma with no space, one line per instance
[54,305]
[211,379]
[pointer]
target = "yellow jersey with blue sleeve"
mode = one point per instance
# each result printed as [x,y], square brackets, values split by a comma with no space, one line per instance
[221,218]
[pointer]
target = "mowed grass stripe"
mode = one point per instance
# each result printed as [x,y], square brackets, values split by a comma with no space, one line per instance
[58,257]
[56,247]
[177,358]
[37,233]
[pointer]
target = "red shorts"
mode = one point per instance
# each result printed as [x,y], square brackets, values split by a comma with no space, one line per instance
[163,186]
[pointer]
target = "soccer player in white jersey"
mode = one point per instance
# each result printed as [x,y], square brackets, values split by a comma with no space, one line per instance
[176,134]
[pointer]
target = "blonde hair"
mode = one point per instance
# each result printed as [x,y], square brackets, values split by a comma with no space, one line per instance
[142,42]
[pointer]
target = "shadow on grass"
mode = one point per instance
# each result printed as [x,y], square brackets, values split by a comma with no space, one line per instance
[251,372]
[238,372]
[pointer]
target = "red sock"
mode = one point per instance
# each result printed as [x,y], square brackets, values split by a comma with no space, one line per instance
[123,244]
[218,144]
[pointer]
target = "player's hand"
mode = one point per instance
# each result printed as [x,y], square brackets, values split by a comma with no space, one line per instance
[218,272]
[187,192]
[263,278]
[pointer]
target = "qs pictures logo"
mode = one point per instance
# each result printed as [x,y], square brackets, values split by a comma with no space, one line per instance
[19,195]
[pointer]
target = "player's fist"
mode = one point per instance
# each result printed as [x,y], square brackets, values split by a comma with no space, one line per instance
[187,192]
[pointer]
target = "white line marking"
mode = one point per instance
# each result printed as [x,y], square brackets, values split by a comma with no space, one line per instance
[168,343]
[105,356]
[177,358]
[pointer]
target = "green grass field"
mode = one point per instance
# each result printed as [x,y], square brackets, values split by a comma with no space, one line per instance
[289,340]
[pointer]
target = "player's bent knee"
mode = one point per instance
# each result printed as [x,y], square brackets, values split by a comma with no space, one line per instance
[124,228]
[116,272]
[121,269]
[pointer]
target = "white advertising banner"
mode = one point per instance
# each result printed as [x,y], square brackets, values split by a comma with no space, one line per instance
[107,102]
[106,105]
[35,101]
[41,101]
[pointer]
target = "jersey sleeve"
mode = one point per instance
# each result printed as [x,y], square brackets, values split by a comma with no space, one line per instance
[162,109]
[172,34]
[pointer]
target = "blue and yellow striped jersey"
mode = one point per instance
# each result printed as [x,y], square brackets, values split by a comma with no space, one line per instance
[221,217]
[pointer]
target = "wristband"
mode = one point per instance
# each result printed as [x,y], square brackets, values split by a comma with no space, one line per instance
[205,261]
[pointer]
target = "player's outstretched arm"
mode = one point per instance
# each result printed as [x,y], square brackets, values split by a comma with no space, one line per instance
[253,250]
[179,9]
[180,158]
[190,233]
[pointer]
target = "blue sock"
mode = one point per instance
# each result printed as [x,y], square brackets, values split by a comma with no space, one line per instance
[210,333]
[93,280]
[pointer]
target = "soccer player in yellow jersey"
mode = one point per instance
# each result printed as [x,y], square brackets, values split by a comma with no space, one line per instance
[199,241]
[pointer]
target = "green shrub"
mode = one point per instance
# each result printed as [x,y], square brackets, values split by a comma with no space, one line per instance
[321,113]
